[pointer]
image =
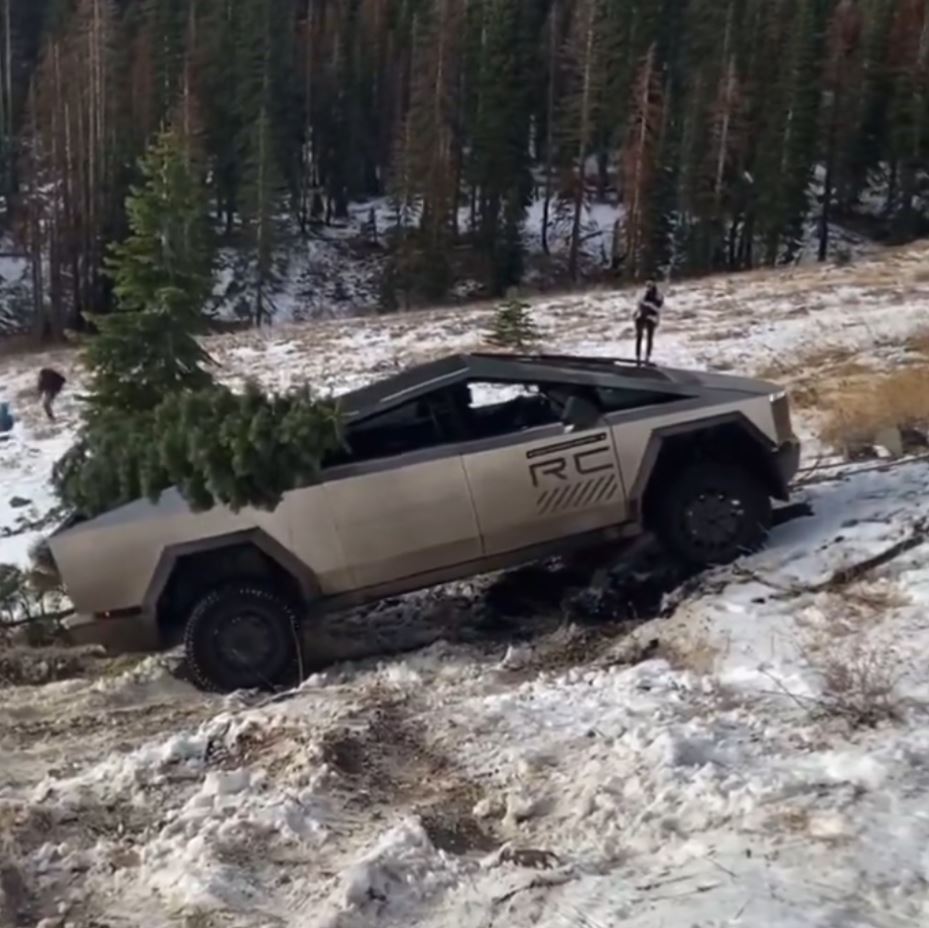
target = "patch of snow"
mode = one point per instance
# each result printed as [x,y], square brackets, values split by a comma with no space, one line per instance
[401,867]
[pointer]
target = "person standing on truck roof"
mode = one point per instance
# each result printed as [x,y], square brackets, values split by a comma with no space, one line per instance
[647,318]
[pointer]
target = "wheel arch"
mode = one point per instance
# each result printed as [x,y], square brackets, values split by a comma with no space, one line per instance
[735,429]
[189,569]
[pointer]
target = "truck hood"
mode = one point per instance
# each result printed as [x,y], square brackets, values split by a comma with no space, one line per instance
[749,386]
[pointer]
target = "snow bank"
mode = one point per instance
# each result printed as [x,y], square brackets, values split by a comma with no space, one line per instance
[402,868]
[202,855]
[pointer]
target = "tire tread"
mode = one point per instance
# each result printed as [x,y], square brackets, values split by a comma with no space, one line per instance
[757,499]
[205,604]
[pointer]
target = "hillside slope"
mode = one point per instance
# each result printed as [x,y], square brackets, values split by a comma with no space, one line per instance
[776,322]
[760,757]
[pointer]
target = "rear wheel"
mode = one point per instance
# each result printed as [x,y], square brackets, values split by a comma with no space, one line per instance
[711,513]
[241,637]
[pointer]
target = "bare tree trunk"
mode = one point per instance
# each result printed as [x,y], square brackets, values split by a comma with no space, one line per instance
[308,156]
[8,79]
[39,320]
[457,154]
[263,205]
[919,105]
[6,115]
[583,139]
[635,208]
[70,224]
[438,181]
[187,89]
[825,217]
[722,154]
[82,233]
[93,152]
[479,113]
[262,243]
[550,119]
[56,232]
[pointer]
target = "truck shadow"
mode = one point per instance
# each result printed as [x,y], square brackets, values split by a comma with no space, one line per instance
[608,592]
[491,614]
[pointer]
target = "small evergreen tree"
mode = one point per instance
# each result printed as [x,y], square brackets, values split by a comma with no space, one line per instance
[162,278]
[155,417]
[512,326]
[147,349]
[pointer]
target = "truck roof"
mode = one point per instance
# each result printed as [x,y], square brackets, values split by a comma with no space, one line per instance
[385,394]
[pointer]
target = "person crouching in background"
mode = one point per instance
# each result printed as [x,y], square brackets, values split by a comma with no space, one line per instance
[50,385]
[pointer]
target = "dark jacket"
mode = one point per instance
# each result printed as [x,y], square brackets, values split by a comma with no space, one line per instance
[6,418]
[650,306]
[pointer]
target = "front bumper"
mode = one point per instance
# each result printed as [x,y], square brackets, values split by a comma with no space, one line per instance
[118,635]
[787,463]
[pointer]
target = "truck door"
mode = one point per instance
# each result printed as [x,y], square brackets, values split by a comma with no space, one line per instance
[401,504]
[538,483]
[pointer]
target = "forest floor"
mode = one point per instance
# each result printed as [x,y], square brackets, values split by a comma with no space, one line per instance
[757,755]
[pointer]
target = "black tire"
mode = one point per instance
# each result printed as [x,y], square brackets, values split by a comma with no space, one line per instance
[711,513]
[241,637]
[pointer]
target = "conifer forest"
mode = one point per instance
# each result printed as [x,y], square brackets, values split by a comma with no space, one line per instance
[721,130]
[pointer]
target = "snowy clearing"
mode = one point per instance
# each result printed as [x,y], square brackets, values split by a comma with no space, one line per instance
[708,769]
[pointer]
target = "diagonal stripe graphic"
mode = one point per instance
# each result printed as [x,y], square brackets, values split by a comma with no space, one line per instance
[559,499]
[591,490]
[550,501]
[608,491]
[571,499]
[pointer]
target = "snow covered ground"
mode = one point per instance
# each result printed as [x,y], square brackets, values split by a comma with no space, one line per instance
[716,783]
[709,769]
[337,270]
[14,286]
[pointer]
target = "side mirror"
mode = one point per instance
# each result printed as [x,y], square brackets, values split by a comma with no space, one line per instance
[581,413]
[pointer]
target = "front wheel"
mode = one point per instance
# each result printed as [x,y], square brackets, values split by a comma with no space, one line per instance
[241,637]
[712,512]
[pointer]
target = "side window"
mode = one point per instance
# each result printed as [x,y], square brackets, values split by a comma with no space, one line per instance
[620,399]
[411,427]
[488,409]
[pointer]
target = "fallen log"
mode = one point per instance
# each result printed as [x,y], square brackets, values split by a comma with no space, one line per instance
[847,575]
[844,576]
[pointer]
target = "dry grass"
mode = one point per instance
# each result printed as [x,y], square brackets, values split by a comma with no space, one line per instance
[728,334]
[858,679]
[847,612]
[859,684]
[805,396]
[872,600]
[696,655]
[862,407]
[816,377]
[858,401]
[918,343]
[827,362]
[27,666]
